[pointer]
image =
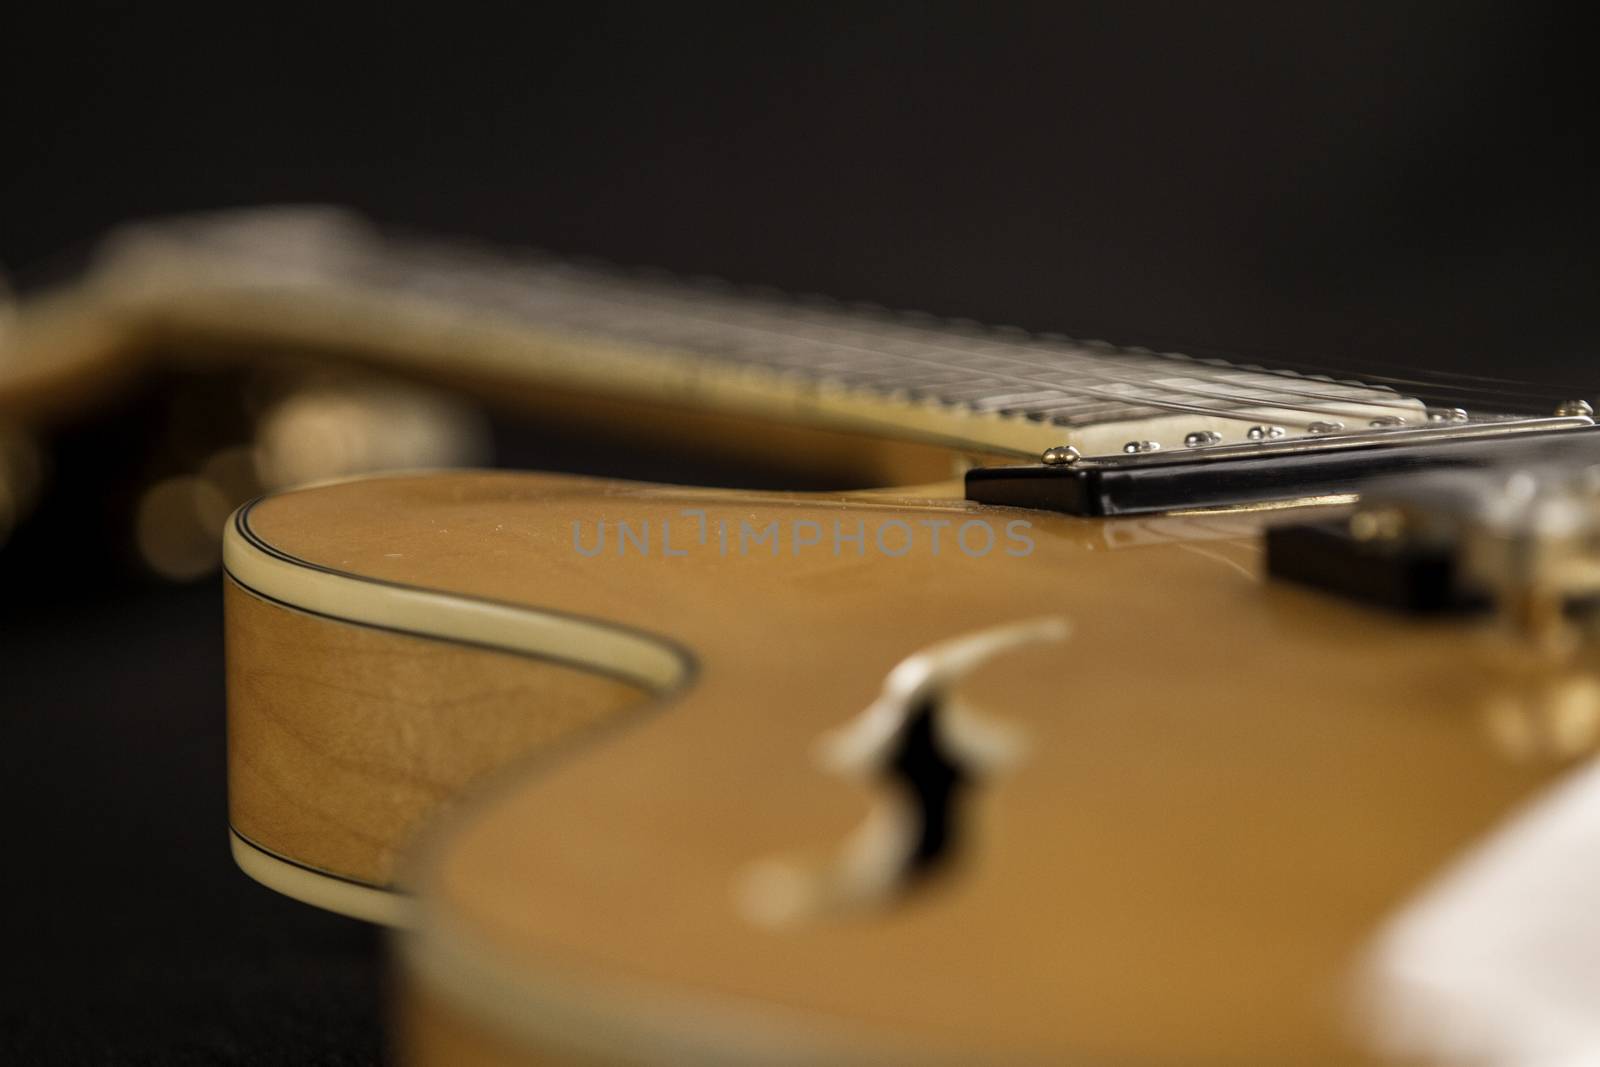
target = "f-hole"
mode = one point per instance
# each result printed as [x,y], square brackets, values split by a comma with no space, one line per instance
[926,754]
[935,786]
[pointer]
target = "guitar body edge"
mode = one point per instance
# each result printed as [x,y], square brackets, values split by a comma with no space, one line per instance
[358,711]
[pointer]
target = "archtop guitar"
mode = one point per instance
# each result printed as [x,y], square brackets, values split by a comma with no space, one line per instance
[1170,711]
[1198,713]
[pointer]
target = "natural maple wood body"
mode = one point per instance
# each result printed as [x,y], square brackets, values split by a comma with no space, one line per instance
[1227,787]
[343,738]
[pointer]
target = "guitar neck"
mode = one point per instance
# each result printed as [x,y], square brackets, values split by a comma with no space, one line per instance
[319,279]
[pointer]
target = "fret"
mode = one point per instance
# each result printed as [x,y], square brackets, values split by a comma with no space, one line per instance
[1080,410]
[995,402]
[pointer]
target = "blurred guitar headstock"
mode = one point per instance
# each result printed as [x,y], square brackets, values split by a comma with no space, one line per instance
[135,413]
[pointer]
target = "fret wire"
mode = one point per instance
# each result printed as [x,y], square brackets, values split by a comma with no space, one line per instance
[1072,409]
[1107,414]
[994,403]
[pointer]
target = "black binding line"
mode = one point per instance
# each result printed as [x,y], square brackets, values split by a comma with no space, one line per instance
[689,664]
[309,869]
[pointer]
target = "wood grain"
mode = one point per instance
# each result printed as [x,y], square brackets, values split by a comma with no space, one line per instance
[1228,787]
[343,739]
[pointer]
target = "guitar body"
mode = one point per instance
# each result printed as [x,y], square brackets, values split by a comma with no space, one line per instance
[969,772]
[639,843]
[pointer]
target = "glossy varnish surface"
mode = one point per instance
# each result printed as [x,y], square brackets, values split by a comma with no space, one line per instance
[1227,785]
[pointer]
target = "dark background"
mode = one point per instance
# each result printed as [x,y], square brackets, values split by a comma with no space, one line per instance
[1392,186]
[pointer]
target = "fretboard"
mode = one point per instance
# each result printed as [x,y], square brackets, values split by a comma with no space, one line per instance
[321,278]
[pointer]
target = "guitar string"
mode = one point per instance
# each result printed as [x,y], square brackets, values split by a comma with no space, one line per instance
[1181,367]
[1495,387]
[493,264]
[1082,366]
[775,299]
[674,309]
[661,286]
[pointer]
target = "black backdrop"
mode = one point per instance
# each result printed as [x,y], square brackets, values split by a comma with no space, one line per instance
[1361,185]
[1389,182]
